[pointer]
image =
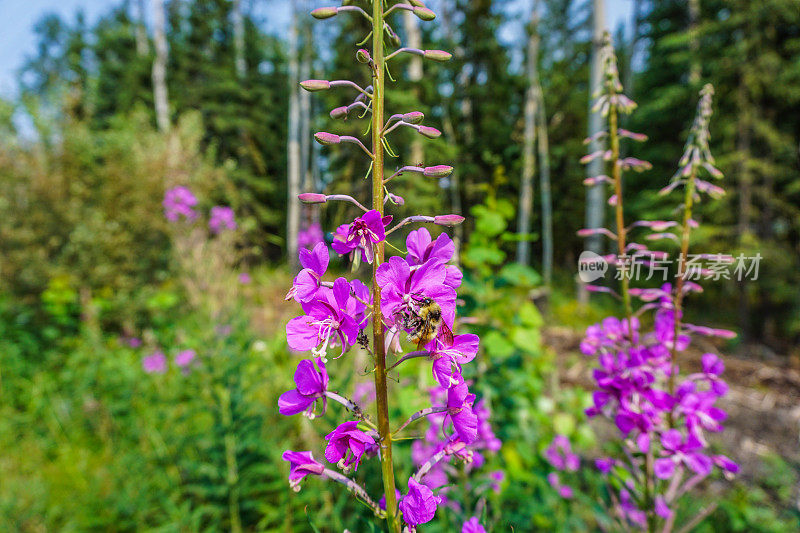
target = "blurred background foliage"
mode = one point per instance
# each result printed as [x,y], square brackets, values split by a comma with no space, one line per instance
[91,442]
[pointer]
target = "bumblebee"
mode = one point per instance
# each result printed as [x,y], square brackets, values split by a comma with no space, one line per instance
[424,322]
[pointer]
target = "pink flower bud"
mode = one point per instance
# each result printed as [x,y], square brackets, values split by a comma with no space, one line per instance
[424,13]
[315,85]
[438,171]
[414,117]
[325,138]
[312,198]
[325,12]
[437,55]
[339,112]
[431,133]
[448,220]
[363,56]
[396,200]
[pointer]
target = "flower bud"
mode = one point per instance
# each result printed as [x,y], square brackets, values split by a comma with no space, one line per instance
[437,55]
[312,198]
[339,112]
[315,85]
[325,12]
[325,138]
[431,133]
[414,117]
[438,171]
[396,200]
[448,220]
[363,56]
[417,3]
[424,13]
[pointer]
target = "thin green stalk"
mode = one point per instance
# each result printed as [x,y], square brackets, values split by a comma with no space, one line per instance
[381,392]
[232,474]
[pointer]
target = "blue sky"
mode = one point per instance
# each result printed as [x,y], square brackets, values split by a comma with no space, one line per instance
[17,18]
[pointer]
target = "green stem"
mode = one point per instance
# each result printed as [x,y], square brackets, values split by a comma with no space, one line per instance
[616,173]
[232,474]
[381,392]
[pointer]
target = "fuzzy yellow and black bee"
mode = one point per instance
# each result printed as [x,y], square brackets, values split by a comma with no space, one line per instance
[424,322]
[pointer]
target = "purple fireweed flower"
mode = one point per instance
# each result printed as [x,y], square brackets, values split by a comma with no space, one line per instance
[604,464]
[245,278]
[329,314]
[155,363]
[680,450]
[419,505]
[422,249]
[382,501]
[308,281]
[310,236]
[301,464]
[310,384]
[560,455]
[662,509]
[564,491]
[347,444]
[459,409]
[362,234]
[133,342]
[185,357]
[221,219]
[472,525]
[447,360]
[403,286]
[178,202]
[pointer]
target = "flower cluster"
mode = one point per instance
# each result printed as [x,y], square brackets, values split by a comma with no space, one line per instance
[310,236]
[410,311]
[156,362]
[179,202]
[662,418]
[220,219]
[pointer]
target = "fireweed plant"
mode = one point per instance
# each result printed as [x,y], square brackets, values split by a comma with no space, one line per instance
[662,417]
[412,297]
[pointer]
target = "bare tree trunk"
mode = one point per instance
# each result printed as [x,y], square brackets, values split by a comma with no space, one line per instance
[595,197]
[529,144]
[238,39]
[414,37]
[293,146]
[544,183]
[695,67]
[142,46]
[160,66]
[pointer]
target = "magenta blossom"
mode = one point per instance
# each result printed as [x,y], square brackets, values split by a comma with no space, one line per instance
[687,452]
[422,249]
[178,202]
[459,408]
[404,286]
[419,505]
[472,526]
[245,278]
[560,455]
[447,360]
[221,219]
[185,357]
[362,234]
[347,444]
[301,464]
[155,363]
[565,491]
[311,384]
[329,313]
[310,236]
[308,281]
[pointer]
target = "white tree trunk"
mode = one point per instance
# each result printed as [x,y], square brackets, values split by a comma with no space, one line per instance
[525,212]
[160,66]
[142,46]
[595,197]
[238,39]
[293,146]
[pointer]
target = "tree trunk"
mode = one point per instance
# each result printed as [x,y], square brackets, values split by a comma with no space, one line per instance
[544,183]
[238,39]
[595,197]
[525,212]
[142,46]
[160,66]
[293,147]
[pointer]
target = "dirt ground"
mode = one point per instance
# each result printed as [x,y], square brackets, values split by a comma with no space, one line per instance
[763,402]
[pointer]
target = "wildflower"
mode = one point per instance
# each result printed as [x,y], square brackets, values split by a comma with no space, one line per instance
[178,202]
[362,234]
[310,384]
[681,451]
[155,363]
[447,360]
[472,526]
[419,505]
[560,455]
[422,249]
[221,219]
[184,358]
[347,444]
[301,464]
[310,236]
[245,278]
[459,408]
[564,491]
[326,316]
[308,281]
